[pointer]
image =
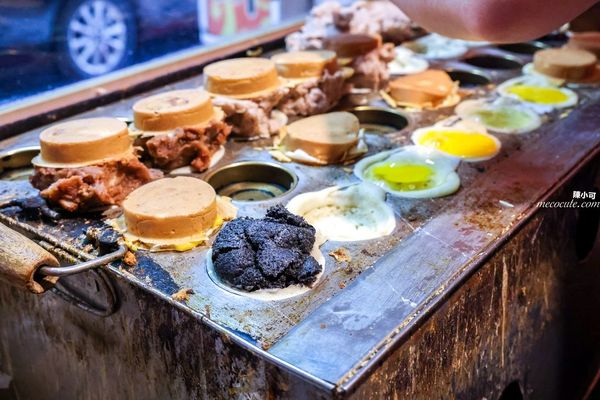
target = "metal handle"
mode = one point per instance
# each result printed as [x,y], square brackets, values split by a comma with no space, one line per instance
[27,264]
[84,266]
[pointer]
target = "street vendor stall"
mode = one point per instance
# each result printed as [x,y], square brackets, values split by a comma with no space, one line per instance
[410,237]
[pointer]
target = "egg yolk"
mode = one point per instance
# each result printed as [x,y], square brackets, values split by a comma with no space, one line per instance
[538,94]
[402,177]
[503,118]
[460,143]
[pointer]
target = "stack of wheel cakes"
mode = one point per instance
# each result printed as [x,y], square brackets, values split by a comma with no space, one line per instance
[88,164]
[180,128]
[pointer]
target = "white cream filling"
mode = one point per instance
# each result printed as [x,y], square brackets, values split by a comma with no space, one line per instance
[407,62]
[346,214]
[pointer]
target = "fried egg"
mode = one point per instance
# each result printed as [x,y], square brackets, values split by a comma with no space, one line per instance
[414,172]
[539,92]
[467,140]
[504,115]
[407,62]
[346,213]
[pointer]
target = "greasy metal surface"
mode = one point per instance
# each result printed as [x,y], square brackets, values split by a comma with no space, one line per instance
[469,78]
[338,331]
[411,277]
[529,315]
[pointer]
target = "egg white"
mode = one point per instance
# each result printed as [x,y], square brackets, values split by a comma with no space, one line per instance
[529,69]
[538,80]
[446,180]
[453,124]
[407,62]
[440,47]
[468,108]
[349,213]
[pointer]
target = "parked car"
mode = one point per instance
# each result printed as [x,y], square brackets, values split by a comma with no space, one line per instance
[93,37]
[47,44]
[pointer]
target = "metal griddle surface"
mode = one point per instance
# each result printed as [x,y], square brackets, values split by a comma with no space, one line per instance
[360,308]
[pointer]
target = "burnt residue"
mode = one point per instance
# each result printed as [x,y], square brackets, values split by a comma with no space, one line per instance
[272,252]
[31,208]
[106,240]
[148,269]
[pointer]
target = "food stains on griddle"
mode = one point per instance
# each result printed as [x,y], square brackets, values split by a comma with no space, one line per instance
[31,208]
[148,269]
[106,240]
[267,253]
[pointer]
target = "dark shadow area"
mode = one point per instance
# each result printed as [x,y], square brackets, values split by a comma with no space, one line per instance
[512,392]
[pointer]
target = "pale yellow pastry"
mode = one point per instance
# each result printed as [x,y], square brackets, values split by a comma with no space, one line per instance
[164,112]
[328,138]
[171,209]
[565,63]
[241,78]
[83,142]
[305,64]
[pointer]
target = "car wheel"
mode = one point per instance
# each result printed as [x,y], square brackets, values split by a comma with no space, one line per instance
[95,37]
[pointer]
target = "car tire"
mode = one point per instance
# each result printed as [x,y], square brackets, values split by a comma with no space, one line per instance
[95,37]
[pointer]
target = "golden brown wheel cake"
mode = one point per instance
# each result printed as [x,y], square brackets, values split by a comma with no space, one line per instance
[366,55]
[565,63]
[305,64]
[326,137]
[426,89]
[181,208]
[589,41]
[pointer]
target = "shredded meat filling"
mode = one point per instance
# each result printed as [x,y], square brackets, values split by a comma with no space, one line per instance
[314,96]
[253,117]
[94,186]
[370,70]
[188,146]
[370,17]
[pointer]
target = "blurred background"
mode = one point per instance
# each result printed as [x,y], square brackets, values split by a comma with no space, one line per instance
[48,44]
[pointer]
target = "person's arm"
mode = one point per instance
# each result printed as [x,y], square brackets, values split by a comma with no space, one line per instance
[493,20]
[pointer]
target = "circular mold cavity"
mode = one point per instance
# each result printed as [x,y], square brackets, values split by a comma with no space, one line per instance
[526,48]
[554,38]
[15,164]
[252,181]
[488,61]
[346,213]
[380,121]
[468,79]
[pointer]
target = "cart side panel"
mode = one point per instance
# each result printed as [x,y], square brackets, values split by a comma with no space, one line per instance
[147,350]
[529,315]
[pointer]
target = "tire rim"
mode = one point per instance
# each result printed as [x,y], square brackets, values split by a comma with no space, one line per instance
[97,37]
